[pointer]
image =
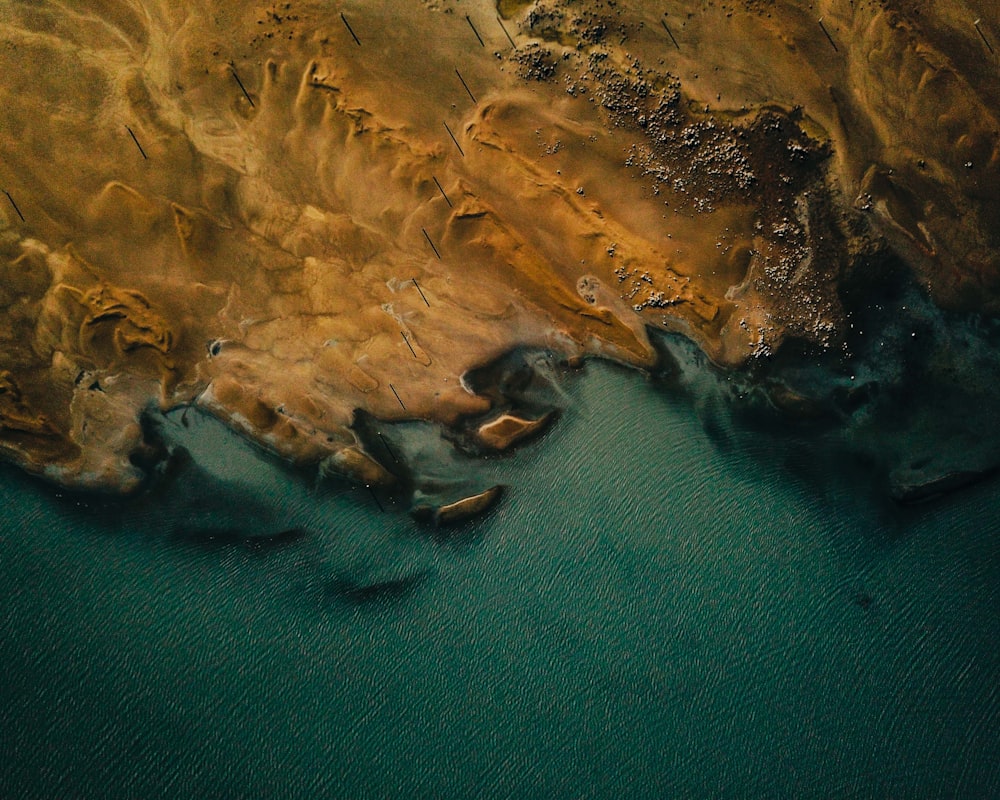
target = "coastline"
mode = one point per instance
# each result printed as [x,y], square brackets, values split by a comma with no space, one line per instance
[316,246]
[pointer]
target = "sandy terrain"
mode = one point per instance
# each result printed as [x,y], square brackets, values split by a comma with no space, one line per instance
[258,209]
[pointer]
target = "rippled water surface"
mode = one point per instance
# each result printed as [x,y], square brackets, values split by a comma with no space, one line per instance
[661,606]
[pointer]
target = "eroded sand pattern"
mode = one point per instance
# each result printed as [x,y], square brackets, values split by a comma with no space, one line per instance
[307,224]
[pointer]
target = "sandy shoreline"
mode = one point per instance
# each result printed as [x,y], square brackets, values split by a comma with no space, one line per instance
[250,209]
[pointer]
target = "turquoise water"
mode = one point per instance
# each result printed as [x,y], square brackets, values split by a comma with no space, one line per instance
[652,611]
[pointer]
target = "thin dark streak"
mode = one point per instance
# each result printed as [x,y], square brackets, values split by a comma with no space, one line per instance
[350,30]
[480,38]
[466,86]
[421,292]
[441,189]
[385,444]
[136,142]
[406,339]
[428,238]
[375,497]
[828,36]
[670,34]
[452,135]
[19,210]
[397,396]
[246,94]
[983,35]
[500,23]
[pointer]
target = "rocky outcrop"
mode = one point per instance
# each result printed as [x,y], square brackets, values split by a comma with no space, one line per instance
[461,510]
[506,430]
[910,487]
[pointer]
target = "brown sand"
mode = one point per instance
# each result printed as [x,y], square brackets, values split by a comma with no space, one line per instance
[468,507]
[506,430]
[257,256]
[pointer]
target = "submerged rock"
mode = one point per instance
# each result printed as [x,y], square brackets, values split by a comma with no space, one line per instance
[910,487]
[795,404]
[370,592]
[459,511]
[240,538]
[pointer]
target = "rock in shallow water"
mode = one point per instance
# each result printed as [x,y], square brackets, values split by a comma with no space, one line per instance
[507,430]
[911,486]
[461,510]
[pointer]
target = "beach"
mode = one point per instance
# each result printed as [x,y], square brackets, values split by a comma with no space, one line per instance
[286,214]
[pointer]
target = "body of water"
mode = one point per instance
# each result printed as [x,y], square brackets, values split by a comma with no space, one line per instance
[663,605]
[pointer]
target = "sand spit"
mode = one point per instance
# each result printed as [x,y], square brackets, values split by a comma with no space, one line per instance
[253,207]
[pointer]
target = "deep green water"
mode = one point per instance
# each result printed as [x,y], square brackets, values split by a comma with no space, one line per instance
[652,611]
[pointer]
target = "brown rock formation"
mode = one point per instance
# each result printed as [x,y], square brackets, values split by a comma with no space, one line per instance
[507,430]
[460,510]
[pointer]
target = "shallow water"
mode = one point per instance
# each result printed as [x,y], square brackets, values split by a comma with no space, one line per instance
[664,604]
